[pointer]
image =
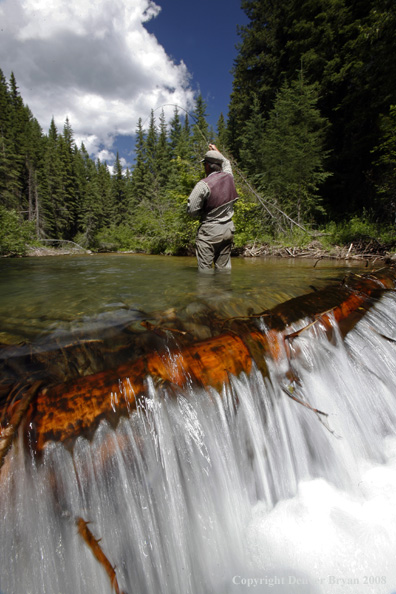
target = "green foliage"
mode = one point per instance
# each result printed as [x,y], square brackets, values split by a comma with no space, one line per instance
[14,233]
[292,147]
[347,49]
[200,128]
[250,225]
[385,165]
[359,229]
[115,238]
[277,127]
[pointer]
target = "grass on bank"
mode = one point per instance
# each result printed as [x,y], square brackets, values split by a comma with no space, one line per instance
[359,235]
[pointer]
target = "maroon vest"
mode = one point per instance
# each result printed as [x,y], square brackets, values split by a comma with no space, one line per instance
[222,190]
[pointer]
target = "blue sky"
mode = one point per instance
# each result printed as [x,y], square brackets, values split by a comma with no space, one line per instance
[105,64]
[203,34]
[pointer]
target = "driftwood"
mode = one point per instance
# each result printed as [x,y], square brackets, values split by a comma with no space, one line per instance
[63,412]
[361,251]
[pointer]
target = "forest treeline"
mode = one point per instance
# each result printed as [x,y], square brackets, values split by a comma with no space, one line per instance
[311,131]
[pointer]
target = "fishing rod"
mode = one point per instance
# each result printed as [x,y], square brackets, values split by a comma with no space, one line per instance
[236,168]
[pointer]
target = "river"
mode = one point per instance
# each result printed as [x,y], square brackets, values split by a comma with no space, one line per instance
[241,490]
[47,294]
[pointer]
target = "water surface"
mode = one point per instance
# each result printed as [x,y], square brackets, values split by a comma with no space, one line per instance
[39,296]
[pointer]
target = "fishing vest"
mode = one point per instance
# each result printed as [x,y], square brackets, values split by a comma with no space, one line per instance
[222,190]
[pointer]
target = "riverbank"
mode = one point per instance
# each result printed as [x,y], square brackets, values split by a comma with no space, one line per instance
[370,252]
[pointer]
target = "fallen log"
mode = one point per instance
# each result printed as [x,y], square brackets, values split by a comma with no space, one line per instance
[63,412]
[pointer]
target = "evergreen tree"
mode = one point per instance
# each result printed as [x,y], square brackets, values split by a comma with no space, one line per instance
[347,48]
[163,155]
[221,139]
[17,146]
[292,154]
[67,208]
[252,141]
[385,164]
[51,187]
[119,193]
[200,128]
[105,207]
[151,154]
[175,134]
[8,173]
[185,149]
[259,65]
[34,170]
[140,175]
[90,211]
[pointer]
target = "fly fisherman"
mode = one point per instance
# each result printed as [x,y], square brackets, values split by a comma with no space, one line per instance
[212,199]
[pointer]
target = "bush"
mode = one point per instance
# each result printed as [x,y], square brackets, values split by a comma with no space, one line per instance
[116,238]
[15,233]
[360,230]
[250,224]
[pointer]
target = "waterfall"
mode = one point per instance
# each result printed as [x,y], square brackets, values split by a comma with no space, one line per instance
[201,492]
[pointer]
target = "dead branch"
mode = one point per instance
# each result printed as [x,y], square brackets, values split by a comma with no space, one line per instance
[98,553]
[315,410]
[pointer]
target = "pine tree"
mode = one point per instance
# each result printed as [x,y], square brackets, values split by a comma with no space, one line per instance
[163,155]
[8,174]
[252,141]
[151,154]
[175,134]
[119,193]
[34,170]
[385,167]
[345,47]
[221,138]
[105,206]
[67,209]
[18,121]
[293,152]
[258,68]
[200,128]
[140,175]
[51,186]
[185,149]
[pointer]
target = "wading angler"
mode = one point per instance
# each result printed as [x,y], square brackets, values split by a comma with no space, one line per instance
[212,199]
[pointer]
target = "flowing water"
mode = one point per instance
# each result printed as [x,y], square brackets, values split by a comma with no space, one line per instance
[206,492]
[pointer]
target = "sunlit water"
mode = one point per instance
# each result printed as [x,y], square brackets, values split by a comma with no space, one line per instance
[239,491]
[43,295]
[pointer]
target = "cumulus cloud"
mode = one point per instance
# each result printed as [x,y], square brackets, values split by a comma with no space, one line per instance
[92,61]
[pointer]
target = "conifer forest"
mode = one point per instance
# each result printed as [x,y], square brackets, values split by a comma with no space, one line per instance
[310,130]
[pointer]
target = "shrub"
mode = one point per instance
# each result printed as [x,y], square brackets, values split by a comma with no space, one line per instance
[15,233]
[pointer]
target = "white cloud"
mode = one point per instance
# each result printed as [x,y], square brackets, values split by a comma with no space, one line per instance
[91,61]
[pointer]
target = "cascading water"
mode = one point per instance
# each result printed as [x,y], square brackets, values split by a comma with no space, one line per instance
[200,492]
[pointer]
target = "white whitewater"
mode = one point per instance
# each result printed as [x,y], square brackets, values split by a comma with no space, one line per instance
[244,491]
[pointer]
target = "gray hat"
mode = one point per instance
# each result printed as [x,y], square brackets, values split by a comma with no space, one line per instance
[213,157]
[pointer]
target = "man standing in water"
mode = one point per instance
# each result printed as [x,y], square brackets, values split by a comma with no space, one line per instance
[212,199]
